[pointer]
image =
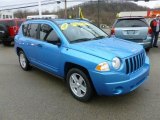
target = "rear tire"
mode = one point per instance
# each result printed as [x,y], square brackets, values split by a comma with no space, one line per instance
[79,85]
[23,61]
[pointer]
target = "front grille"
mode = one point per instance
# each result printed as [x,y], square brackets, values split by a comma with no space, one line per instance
[135,62]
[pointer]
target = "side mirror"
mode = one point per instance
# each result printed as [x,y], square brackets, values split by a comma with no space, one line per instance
[58,42]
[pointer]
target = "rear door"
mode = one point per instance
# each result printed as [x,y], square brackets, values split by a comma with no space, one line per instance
[31,42]
[131,29]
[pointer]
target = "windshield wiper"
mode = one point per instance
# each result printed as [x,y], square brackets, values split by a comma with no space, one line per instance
[81,40]
[99,37]
[88,39]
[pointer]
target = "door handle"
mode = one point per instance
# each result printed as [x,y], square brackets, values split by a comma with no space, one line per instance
[38,45]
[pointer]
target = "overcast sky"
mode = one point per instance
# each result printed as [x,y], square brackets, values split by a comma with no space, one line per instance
[45,7]
[151,4]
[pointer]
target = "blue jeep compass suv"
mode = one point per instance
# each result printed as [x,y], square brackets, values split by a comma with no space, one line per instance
[83,55]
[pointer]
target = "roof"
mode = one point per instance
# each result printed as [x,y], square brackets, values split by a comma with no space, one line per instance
[12,19]
[59,21]
[128,17]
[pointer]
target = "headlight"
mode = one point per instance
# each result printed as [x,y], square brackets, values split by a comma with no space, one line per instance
[103,67]
[116,63]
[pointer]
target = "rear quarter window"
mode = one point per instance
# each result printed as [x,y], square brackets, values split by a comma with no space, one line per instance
[131,23]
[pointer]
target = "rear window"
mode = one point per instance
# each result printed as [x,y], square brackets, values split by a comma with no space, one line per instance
[131,23]
[8,23]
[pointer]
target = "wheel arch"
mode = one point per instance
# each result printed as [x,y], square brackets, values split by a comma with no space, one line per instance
[70,65]
[18,49]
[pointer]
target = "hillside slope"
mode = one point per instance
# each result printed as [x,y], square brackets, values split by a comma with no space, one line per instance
[107,10]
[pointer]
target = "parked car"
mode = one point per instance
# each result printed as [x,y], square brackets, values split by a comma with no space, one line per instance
[135,29]
[8,30]
[83,55]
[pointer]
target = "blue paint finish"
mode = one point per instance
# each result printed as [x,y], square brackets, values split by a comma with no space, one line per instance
[52,58]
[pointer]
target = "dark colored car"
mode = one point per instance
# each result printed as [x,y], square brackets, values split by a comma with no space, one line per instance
[135,29]
[8,29]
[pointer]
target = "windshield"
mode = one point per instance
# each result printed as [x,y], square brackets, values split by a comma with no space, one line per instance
[82,31]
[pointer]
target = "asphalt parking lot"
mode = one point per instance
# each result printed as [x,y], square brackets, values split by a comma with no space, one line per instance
[36,95]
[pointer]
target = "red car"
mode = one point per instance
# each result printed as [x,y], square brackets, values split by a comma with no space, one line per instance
[8,29]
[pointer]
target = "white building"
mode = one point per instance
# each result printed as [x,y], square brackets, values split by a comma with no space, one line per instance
[42,16]
[6,15]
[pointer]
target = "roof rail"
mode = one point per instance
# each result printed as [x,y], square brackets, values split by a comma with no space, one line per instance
[40,18]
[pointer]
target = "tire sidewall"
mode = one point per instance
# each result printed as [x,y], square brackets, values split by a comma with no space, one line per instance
[89,92]
[27,63]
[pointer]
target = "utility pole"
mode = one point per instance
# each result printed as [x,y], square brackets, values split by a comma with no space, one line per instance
[65,14]
[58,7]
[40,8]
[98,13]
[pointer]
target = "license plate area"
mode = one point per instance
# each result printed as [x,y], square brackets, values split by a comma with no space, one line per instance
[130,32]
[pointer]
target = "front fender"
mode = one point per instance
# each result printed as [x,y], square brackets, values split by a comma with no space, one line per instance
[79,58]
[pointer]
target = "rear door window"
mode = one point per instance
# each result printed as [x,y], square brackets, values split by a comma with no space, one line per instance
[24,29]
[131,23]
[32,31]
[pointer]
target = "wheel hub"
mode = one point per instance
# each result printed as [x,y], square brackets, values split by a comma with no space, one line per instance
[78,85]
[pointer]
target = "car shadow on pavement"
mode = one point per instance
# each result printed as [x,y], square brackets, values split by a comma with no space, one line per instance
[96,99]
[47,77]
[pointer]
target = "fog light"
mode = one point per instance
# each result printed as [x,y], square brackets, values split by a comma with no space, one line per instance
[118,90]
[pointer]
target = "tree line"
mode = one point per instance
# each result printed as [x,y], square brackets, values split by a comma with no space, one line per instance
[107,11]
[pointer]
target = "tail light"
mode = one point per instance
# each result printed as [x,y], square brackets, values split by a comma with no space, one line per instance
[15,29]
[150,30]
[112,31]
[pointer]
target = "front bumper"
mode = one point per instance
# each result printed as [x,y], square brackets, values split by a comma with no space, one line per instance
[116,83]
[147,42]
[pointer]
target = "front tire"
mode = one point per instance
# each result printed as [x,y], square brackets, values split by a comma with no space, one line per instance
[23,61]
[79,85]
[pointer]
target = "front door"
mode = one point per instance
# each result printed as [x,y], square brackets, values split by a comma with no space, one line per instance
[48,52]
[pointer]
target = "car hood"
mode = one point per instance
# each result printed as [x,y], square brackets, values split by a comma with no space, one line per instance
[108,48]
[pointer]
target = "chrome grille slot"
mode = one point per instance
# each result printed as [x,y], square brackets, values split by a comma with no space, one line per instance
[135,62]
